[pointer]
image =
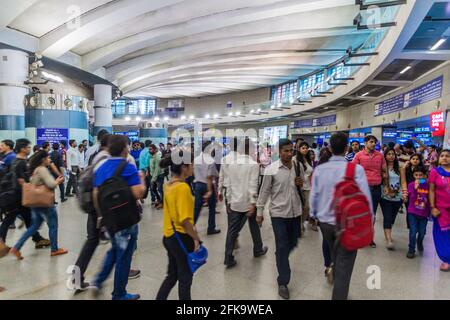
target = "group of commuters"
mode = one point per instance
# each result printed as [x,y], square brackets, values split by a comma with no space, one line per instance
[295,187]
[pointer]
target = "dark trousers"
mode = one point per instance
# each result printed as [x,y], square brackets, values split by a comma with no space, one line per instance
[72,185]
[149,189]
[11,217]
[93,239]
[61,190]
[236,221]
[157,188]
[326,251]
[390,210]
[343,262]
[200,189]
[286,231]
[375,192]
[417,228]
[178,269]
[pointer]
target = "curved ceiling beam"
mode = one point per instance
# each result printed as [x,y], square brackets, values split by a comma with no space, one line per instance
[284,71]
[104,55]
[208,47]
[169,16]
[57,42]
[213,60]
[12,9]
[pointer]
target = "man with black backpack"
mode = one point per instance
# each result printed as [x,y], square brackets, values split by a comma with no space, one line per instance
[11,195]
[339,191]
[117,188]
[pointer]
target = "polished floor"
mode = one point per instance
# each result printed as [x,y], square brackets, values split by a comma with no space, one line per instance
[41,277]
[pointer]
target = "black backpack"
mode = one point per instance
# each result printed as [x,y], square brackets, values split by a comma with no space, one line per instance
[9,195]
[85,188]
[117,204]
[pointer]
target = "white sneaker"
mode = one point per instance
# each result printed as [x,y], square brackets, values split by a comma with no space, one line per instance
[390,245]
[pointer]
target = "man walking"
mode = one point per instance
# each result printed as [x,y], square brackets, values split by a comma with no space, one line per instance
[374,166]
[325,178]
[240,179]
[73,166]
[280,186]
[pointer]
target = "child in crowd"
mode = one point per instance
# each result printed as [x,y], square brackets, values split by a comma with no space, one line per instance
[418,211]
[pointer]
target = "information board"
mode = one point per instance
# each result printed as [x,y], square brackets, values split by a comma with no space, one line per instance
[51,135]
[429,91]
[317,122]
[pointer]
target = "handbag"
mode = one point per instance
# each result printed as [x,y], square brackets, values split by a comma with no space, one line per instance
[298,173]
[195,259]
[37,196]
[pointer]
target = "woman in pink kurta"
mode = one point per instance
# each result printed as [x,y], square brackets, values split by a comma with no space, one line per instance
[439,180]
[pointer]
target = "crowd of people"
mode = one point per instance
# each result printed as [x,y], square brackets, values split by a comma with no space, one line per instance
[294,184]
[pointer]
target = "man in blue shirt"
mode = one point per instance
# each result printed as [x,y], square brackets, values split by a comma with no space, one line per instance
[353,151]
[324,180]
[124,241]
[7,148]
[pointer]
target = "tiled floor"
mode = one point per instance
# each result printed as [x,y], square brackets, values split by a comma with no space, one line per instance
[39,276]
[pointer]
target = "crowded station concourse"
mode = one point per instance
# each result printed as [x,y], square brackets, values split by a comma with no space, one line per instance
[196,150]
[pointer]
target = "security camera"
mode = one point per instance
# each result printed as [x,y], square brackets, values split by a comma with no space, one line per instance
[40,64]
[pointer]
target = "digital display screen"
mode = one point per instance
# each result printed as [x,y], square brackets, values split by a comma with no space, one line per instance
[273,134]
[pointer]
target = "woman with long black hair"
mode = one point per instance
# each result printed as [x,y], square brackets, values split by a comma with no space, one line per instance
[391,197]
[40,175]
[303,160]
[178,216]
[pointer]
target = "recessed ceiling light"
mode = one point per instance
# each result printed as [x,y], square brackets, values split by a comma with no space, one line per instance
[191,117]
[238,113]
[127,118]
[156,118]
[207,116]
[230,114]
[215,116]
[183,117]
[166,118]
[272,107]
[365,94]
[138,118]
[438,44]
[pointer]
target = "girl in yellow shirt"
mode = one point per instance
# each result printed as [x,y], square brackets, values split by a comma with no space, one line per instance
[178,213]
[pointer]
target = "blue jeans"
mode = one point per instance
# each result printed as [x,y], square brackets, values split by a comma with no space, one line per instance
[417,225]
[121,252]
[200,189]
[287,232]
[38,215]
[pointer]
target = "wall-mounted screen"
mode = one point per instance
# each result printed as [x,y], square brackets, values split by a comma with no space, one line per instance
[273,134]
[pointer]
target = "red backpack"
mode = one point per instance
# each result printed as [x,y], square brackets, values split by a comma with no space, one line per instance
[353,213]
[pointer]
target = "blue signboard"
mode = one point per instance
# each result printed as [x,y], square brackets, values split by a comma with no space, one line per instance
[51,135]
[317,122]
[133,135]
[429,91]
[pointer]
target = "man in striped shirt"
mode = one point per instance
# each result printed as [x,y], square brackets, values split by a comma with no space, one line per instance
[353,151]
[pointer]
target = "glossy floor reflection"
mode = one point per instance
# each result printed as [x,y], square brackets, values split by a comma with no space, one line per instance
[41,277]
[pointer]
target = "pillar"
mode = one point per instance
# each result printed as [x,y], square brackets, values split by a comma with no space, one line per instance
[102,108]
[13,74]
[378,133]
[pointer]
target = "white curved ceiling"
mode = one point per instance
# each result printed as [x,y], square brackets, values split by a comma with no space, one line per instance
[188,48]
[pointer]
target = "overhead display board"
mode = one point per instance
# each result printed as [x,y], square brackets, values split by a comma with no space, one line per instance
[427,92]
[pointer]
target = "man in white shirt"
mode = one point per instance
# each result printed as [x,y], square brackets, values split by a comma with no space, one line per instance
[280,186]
[204,171]
[240,179]
[325,178]
[73,167]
